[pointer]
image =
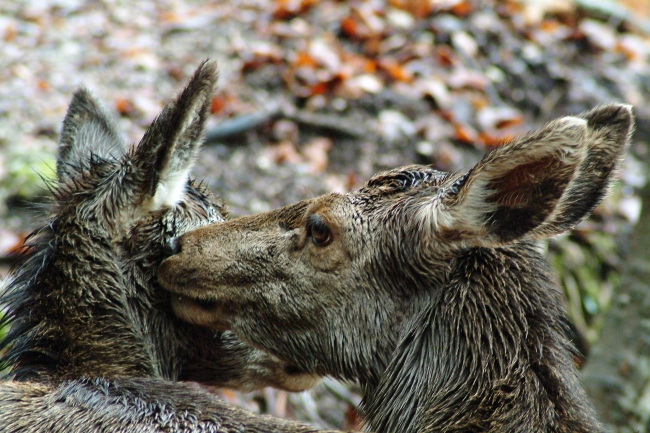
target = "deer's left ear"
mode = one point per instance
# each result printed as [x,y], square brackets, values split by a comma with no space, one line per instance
[87,131]
[538,185]
[166,153]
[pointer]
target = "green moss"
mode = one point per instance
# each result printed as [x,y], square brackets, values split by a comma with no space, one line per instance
[25,171]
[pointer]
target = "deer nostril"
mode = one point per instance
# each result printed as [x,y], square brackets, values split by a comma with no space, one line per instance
[171,247]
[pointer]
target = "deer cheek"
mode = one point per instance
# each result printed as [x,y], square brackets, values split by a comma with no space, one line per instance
[328,259]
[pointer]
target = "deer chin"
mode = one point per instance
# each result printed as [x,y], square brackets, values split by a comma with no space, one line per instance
[199,312]
[207,313]
[297,380]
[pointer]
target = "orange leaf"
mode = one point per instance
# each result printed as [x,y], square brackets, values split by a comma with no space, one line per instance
[304,59]
[465,133]
[319,89]
[492,140]
[229,395]
[461,9]
[123,106]
[395,70]
[10,33]
[349,27]
[169,17]
[217,105]
[549,26]
[43,85]
[507,123]
[369,66]
[418,8]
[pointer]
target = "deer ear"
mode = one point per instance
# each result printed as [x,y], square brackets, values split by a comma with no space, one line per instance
[166,154]
[512,191]
[87,132]
[536,186]
[609,131]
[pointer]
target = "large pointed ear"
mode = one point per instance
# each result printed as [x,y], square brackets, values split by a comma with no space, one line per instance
[166,154]
[610,128]
[536,186]
[88,131]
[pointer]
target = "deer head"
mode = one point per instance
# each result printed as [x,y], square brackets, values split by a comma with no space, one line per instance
[422,285]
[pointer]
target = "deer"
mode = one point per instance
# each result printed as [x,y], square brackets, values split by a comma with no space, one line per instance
[427,288]
[94,345]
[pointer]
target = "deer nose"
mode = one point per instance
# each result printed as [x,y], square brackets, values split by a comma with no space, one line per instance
[171,247]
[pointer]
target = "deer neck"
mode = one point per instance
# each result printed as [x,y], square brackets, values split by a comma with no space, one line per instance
[488,352]
[73,310]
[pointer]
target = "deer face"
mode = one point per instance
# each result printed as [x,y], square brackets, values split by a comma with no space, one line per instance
[328,283]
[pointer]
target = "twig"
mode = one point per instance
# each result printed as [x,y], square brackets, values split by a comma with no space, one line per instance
[239,125]
[230,128]
[613,9]
[335,124]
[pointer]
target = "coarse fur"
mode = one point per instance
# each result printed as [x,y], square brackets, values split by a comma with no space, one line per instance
[94,345]
[425,287]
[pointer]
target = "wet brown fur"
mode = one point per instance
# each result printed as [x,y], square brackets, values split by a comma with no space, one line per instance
[94,345]
[425,287]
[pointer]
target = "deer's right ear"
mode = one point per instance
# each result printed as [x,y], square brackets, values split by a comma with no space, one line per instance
[539,185]
[514,190]
[166,154]
[88,131]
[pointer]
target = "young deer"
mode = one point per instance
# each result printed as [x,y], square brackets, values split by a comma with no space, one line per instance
[424,286]
[94,345]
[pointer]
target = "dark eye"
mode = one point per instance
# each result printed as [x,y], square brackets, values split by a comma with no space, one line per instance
[318,231]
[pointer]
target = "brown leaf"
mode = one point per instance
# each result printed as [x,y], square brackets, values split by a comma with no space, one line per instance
[350,27]
[10,242]
[446,55]
[353,420]
[319,89]
[351,180]
[418,8]
[316,154]
[285,151]
[286,9]
[10,33]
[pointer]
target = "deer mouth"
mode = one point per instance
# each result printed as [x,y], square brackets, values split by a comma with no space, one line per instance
[204,312]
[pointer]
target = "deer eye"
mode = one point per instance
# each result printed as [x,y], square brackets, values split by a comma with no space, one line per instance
[318,231]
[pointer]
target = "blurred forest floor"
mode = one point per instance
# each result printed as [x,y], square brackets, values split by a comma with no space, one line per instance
[318,95]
